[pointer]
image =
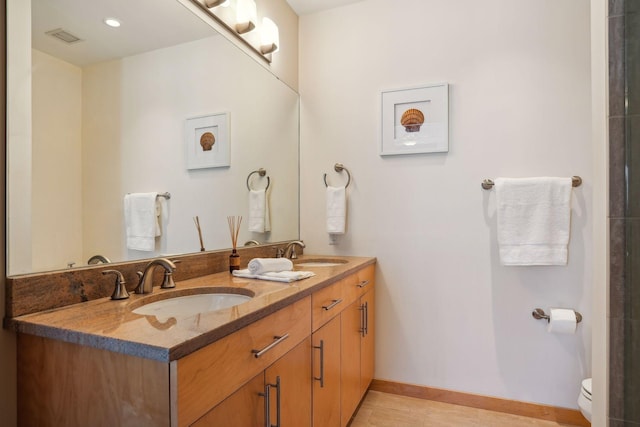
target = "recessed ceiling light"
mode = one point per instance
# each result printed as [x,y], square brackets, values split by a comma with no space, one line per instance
[112,22]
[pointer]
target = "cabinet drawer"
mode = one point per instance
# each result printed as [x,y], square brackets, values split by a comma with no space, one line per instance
[204,378]
[326,304]
[358,284]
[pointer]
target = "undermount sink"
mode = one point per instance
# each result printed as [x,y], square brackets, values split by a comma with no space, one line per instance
[190,305]
[321,262]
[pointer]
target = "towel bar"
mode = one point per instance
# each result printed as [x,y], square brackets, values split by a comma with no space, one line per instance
[488,184]
[539,313]
[261,172]
[339,167]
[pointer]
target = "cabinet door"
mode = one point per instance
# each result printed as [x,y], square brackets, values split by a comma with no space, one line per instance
[326,374]
[292,373]
[352,322]
[244,408]
[367,347]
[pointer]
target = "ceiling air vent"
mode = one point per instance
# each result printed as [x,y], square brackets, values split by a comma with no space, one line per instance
[63,35]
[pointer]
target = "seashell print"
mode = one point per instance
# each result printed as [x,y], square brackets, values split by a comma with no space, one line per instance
[412,119]
[207,140]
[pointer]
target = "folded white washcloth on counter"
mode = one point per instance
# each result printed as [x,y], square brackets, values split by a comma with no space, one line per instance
[275,276]
[266,265]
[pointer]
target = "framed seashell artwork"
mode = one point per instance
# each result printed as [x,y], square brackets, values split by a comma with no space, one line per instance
[415,120]
[207,141]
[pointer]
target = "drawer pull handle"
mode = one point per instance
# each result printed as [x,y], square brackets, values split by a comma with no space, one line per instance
[363,284]
[333,304]
[278,340]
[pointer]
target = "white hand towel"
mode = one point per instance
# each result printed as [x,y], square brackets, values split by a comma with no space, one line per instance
[336,210]
[280,276]
[141,212]
[266,265]
[259,218]
[534,218]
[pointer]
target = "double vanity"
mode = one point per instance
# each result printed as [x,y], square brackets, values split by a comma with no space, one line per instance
[214,350]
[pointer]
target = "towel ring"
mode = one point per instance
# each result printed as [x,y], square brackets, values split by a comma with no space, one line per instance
[339,167]
[488,184]
[261,172]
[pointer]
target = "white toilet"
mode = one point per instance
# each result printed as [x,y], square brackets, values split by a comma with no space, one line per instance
[584,400]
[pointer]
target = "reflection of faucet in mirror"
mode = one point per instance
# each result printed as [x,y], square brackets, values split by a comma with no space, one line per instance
[97,259]
[290,249]
[163,326]
[145,285]
[252,243]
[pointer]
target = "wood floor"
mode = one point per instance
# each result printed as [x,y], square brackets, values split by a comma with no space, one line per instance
[383,409]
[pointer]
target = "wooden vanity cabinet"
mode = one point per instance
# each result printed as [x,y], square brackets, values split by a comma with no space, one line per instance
[326,374]
[343,347]
[208,376]
[247,406]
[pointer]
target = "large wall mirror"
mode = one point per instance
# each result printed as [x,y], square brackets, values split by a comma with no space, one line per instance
[93,120]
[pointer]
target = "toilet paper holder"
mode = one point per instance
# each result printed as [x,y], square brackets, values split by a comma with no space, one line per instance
[539,313]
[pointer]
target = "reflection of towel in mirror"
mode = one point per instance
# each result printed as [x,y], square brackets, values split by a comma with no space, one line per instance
[141,212]
[336,210]
[259,219]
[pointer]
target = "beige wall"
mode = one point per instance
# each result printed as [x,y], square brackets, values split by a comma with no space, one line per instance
[57,168]
[449,315]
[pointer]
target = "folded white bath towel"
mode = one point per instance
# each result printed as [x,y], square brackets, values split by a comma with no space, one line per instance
[336,210]
[534,218]
[266,265]
[259,218]
[141,212]
[279,276]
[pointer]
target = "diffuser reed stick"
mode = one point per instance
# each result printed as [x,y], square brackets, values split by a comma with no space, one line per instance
[196,220]
[234,230]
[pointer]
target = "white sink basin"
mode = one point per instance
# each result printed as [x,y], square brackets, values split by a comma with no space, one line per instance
[191,305]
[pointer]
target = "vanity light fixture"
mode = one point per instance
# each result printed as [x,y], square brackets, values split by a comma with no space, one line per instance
[112,22]
[270,36]
[246,16]
[215,3]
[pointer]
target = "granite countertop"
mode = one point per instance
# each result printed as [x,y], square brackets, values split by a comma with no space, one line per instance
[111,325]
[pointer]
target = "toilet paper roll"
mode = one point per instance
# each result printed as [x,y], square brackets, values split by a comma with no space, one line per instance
[562,321]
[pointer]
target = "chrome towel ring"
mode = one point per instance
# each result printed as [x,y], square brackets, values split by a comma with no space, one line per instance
[261,172]
[339,167]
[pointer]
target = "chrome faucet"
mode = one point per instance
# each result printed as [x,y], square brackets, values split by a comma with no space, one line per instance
[290,249]
[145,285]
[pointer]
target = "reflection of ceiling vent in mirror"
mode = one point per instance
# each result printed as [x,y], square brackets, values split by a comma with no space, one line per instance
[63,35]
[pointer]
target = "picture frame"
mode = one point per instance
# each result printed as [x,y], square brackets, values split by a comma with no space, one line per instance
[415,120]
[207,141]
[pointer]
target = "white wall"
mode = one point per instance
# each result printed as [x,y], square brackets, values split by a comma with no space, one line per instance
[599,85]
[448,314]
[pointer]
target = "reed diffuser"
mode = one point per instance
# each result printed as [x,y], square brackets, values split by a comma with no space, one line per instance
[234,229]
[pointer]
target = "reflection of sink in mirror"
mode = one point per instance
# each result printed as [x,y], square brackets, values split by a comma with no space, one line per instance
[321,262]
[191,305]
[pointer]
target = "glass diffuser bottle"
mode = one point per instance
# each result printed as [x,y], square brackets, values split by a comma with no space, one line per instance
[234,229]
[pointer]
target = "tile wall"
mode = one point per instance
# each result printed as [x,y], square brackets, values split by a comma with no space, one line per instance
[624,212]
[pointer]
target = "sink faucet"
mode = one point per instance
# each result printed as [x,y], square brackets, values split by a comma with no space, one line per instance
[145,285]
[97,259]
[290,249]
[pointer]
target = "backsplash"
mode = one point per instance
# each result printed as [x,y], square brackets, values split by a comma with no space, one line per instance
[32,293]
